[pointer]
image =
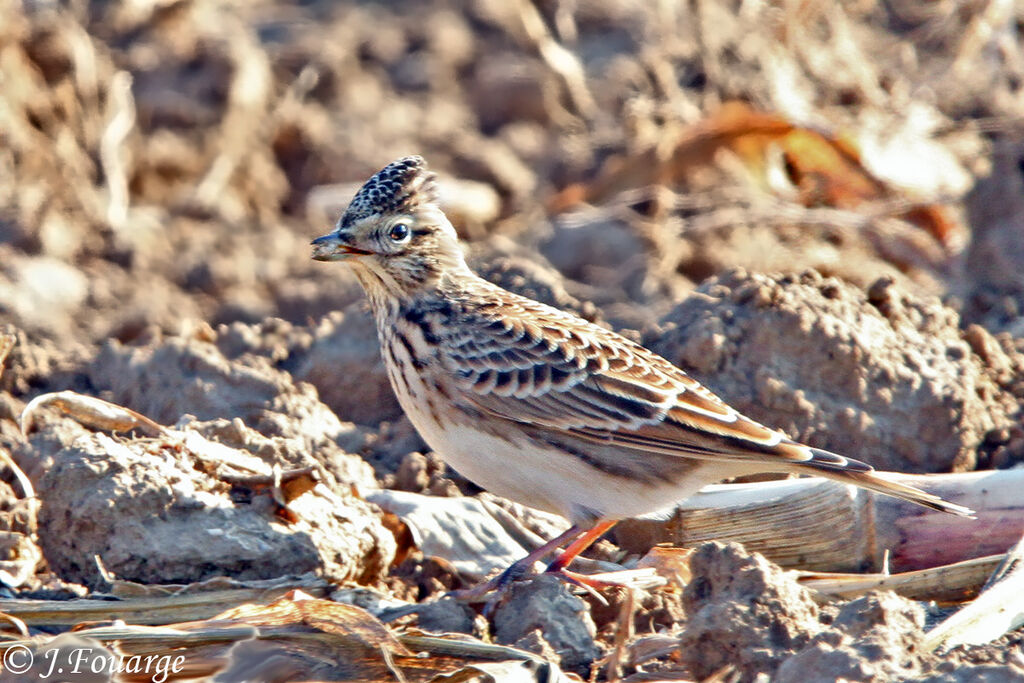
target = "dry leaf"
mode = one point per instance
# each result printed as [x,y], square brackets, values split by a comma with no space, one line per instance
[823,169]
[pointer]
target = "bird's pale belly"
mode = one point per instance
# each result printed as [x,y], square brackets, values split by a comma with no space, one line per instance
[540,477]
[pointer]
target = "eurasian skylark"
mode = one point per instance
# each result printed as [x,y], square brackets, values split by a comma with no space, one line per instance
[536,404]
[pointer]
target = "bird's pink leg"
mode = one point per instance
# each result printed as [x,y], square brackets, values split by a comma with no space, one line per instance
[521,567]
[578,540]
[580,544]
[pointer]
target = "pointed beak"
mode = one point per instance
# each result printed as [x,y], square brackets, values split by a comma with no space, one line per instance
[332,248]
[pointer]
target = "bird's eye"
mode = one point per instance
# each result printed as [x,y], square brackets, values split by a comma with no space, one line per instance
[399,232]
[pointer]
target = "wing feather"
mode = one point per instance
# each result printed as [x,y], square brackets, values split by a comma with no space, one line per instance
[577,382]
[562,373]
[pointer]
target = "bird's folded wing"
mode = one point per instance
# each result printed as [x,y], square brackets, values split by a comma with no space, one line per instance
[552,372]
[574,377]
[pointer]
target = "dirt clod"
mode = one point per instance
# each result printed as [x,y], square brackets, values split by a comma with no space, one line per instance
[741,610]
[887,377]
[447,616]
[872,640]
[561,620]
[149,515]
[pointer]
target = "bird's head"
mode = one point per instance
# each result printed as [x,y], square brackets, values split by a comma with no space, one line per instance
[394,233]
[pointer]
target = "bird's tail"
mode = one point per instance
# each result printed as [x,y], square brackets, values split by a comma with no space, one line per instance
[849,471]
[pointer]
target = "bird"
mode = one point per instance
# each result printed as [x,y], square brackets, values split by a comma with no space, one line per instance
[536,404]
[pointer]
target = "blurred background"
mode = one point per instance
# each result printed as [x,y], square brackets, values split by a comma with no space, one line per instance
[816,207]
[168,161]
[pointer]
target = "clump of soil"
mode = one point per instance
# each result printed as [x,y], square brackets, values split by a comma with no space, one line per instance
[880,375]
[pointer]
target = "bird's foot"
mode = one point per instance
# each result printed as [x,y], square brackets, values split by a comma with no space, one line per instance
[643,579]
[491,591]
[587,583]
[498,583]
[579,539]
[494,590]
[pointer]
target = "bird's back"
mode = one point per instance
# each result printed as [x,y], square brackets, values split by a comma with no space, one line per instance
[507,367]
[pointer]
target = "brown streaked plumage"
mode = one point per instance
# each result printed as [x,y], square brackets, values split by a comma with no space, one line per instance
[534,403]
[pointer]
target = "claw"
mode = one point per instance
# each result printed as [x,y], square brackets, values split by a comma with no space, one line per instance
[584,582]
[492,590]
[499,584]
